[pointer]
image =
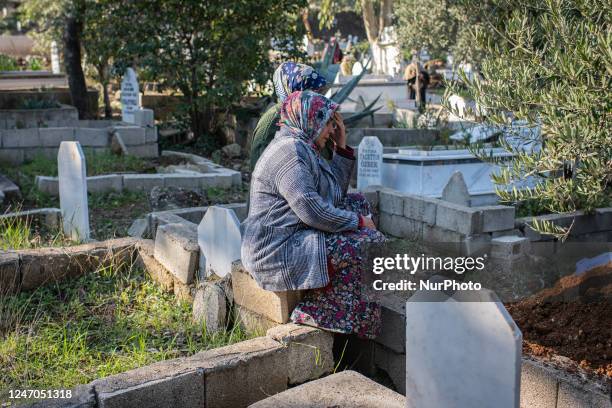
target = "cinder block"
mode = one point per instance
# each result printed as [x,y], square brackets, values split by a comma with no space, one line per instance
[251,322]
[145,150]
[157,272]
[538,386]
[52,137]
[156,389]
[131,135]
[104,183]
[244,373]
[47,185]
[188,182]
[92,137]
[21,138]
[391,202]
[458,218]
[400,226]
[276,306]
[176,248]
[497,218]
[215,180]
[151,135]
[420,208]
[144,117]
[12,156]
[142,182]
[310,351]
[509,247]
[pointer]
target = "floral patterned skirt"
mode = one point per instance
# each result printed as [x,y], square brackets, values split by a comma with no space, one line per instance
[343,306]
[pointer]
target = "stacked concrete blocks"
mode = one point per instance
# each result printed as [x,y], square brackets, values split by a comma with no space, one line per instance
[233,376]
[19,145]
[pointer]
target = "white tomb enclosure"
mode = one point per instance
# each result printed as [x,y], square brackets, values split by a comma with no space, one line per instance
[369,88]
[73,191]
[369,162]
[219,240]
[461,351]
[426,172]
[130,96]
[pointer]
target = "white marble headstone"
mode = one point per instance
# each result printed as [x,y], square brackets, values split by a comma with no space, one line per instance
[369,162]
[130,96]
[55,65]
[462,351]
[219,239]
[71,169]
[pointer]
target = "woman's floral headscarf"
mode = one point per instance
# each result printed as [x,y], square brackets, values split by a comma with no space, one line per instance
[304,115]
[292,76]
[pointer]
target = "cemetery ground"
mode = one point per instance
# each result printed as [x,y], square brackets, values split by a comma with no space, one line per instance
[107,321]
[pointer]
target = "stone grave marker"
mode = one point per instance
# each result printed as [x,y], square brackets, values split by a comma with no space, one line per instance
[71,169]
[456,190]
[130,96]
[219,239]
[369,162]
[55,65]
[461,351]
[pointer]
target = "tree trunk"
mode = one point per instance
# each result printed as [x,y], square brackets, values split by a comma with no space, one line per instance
[374,25]
[72,64]
[108,111]
[305,15]
[103,79]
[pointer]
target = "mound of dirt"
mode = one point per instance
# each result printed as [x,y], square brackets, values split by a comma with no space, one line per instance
[572,319]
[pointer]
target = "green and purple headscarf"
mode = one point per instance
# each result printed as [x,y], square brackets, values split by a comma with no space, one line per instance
[292,76]
[304,115]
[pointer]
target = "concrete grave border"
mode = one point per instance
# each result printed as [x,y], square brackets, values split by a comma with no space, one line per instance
[212,175]
[19,145]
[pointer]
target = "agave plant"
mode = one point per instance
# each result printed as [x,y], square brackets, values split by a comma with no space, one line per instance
[330,71]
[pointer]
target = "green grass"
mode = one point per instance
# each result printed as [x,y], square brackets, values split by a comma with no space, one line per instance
[20,233]
[97,164]
[100,324]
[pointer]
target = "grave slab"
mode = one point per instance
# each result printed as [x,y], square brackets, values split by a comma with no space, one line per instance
[73,191]
[461,351]
[219,239]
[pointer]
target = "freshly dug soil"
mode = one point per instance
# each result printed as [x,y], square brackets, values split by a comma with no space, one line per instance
[572,319]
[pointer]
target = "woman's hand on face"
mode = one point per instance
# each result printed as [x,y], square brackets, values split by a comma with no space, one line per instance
[340,131]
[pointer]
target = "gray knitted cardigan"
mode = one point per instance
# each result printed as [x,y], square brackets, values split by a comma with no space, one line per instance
[293,199]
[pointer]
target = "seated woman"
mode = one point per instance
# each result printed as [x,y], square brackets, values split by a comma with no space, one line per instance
[303,230]
[288,78]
